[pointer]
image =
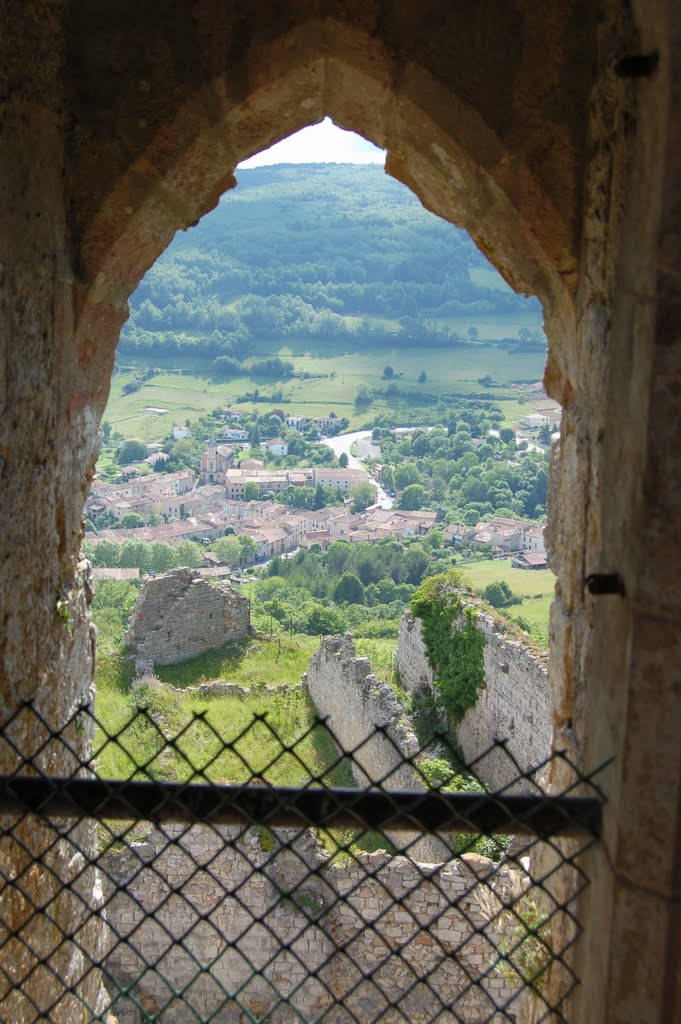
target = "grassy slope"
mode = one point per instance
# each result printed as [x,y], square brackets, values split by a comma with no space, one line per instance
[259,752]
[187,394]
[535,586]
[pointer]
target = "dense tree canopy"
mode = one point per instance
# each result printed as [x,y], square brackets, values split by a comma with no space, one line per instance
[317,251]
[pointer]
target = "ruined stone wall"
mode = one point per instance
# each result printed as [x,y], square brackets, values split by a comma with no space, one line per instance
[344,688]
[234,915]
[411,659]
[514,702]
[180,614]
[357,704]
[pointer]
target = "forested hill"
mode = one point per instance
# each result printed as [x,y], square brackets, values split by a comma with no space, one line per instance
[314,251]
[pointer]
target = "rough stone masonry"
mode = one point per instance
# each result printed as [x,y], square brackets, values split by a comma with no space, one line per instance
[514,702]
[241,928]
[179,615]
[369,722]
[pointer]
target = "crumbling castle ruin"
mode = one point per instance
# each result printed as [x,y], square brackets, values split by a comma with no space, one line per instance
[181,614]
[273,902]
[355,934]
[368,721]
[513,704]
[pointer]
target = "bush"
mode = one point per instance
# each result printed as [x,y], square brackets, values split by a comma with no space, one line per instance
[456,655]
[499,594]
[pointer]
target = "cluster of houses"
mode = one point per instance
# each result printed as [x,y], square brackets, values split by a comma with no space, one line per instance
[179,506]
[166,495]
[523,541]
[295,422]
[205,507]
[276,528]
[218,467]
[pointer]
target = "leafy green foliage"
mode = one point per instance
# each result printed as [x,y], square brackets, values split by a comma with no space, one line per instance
[361,249]
[361,588]
[131,521]
[498,594]
[363,494]
[456,655]
[413,497]
[131,451]
[349,589]
[466,471]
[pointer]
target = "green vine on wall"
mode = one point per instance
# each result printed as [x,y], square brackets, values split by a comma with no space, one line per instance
[455,655]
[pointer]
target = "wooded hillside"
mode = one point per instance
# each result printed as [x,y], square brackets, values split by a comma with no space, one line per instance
[317,252]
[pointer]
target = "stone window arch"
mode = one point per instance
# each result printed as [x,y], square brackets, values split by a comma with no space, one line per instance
[519,121]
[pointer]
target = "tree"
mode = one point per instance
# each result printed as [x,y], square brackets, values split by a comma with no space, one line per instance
[343,460]
[227,549]
[131,521]
[405,474]
[255,436]
[363,494]
[248,547]
[544,434]
[185,453]
[388,372]
[135,554]
[364,396]
[507,435]
[413,497]
[132,451]
[106,554]
[422,377]
[106,431]
[189,553]
[319,500]
[163,556]
[251,491]
[349,590]
[275,566]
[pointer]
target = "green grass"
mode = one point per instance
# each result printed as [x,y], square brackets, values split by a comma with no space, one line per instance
[217,739]
[380,652]
[221,738]
[524,582]
[188,390]
[250,664]
[535,586]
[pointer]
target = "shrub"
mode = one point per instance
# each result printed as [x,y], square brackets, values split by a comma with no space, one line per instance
[456,655]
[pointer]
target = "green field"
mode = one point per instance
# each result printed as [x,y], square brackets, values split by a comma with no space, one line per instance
[536,587]
[222,738]
[188,393]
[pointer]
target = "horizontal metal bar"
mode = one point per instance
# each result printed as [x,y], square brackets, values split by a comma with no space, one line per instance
[287,807]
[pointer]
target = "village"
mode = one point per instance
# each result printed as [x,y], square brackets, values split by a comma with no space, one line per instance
[237,494]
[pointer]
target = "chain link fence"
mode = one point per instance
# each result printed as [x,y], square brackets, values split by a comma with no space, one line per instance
[165,895]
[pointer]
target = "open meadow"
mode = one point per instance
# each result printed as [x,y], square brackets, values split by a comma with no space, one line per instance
[535,587]
[188,389]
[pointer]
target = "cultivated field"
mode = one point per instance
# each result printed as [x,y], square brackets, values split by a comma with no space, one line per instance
[536,587]
[189,391]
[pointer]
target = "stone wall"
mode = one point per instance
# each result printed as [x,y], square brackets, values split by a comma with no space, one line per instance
[411,659]
[514,702]
[180,614]
[251,899]
[357,706]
